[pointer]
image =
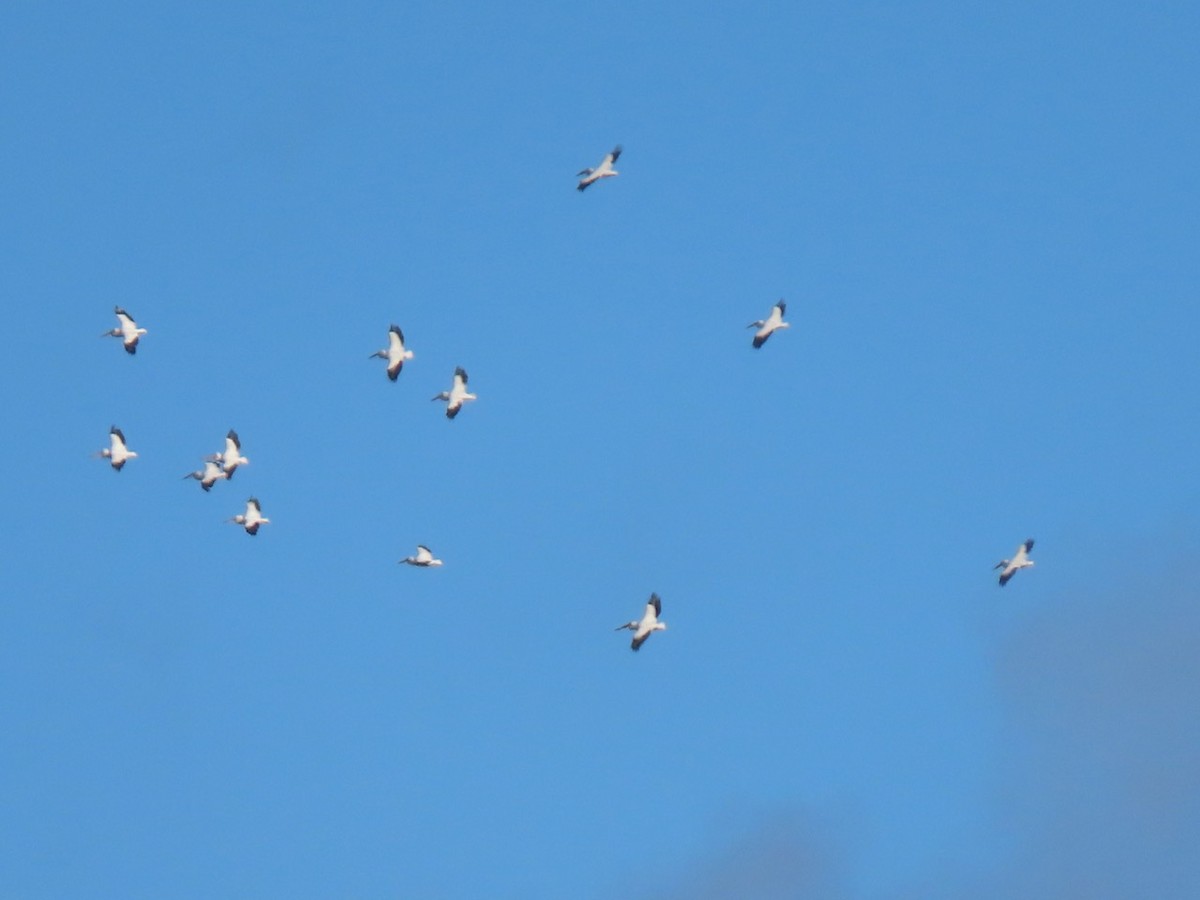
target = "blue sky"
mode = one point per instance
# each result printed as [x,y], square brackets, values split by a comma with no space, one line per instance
[984,221]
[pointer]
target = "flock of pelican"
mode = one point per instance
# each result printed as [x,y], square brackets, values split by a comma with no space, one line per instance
[221,466]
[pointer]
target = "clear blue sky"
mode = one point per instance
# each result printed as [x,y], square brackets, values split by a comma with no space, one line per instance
[984,218]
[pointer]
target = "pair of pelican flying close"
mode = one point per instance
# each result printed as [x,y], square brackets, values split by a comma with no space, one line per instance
[221,466]
[127,331]
[397,354]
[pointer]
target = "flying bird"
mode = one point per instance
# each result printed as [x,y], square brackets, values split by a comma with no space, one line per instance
[117,453]
[231,457]
[604,170]
[210,474]
[457,395]
[252,518]
[128,330]
[394,353]
[768,326]
[424,558]
[1020,560]
[642,628]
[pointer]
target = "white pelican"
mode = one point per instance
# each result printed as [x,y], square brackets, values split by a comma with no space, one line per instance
[209,475]
[231,457]
[604,170]
[394,353]
[1020,560]
[424,558]
[768,326]
[116,452]
[128,330]
[252,517]
[457,395]
[642,628]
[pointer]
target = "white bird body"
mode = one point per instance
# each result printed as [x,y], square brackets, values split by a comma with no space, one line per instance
[424,558]
[127,330]
[231,457]
[209,475]
[252,518]
[1020,560]
[117,453]
[604,170]
[648,624]
[395,352]
[768,326]
[457,395]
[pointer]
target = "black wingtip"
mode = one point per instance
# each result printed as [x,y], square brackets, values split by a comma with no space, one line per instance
[759,341]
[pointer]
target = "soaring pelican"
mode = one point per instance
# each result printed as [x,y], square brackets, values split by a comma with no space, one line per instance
[128,330]
[394,353]
[210,474]
[768,326]
[231,457]
[116,452]
[649,623]
[457,395]
[252,517]
[604,170]
[1020,560]
[424,558]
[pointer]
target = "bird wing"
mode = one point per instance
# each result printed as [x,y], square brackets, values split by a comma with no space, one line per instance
[253,504]
[460,378]
[396,338]
[638,640]
[424,553]
[125,318]
[1005,576]
[654,604]
[232,445]
[614,156]
[1029,545]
